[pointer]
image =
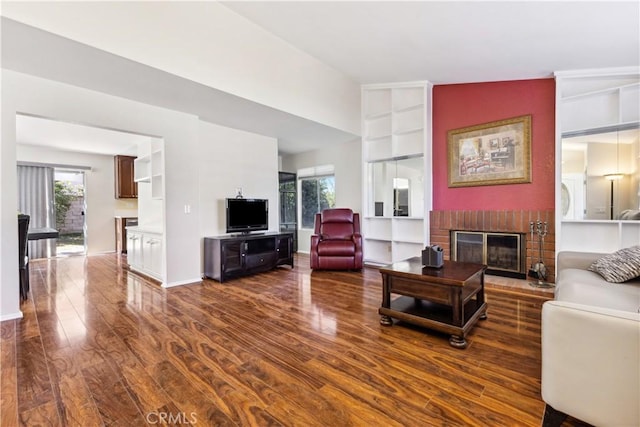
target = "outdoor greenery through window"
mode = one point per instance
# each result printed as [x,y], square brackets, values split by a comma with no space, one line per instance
[316,193]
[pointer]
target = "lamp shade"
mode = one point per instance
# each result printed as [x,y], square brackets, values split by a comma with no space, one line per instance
[613,176]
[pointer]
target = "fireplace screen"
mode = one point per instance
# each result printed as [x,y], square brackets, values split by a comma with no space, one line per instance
[469,247]
[501,252]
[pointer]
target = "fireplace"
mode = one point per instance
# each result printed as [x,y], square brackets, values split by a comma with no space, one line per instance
[503,253]
[443,222]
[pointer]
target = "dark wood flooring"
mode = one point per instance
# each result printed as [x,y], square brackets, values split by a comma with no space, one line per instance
[100,346]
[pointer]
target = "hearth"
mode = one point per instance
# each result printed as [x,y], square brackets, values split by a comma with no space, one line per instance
[503,253]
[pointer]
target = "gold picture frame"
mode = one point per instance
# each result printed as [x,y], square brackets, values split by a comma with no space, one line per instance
[493,153]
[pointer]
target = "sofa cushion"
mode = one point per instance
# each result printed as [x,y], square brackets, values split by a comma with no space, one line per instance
[586,287]
[619,266]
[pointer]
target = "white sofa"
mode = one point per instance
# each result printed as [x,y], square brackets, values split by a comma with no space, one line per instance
[591,347]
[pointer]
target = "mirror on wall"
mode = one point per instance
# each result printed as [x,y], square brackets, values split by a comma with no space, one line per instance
[601,174]
[401,197]
[398,189]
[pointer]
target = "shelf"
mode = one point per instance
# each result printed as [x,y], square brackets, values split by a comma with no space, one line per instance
[149,168]
[378,149]
[408,131]
[394,120]
[378,128]
[395,218]
[404,250]
[379,137]
[604,91]
[376,102]
[377,228]
[378,251]
[409,108]
[605,236]
[605,107]
[157,165]
[409,121]
[157,187]
[378,115]
[404,98]
[411,242]
[408,230]
[142,169]
[377,239]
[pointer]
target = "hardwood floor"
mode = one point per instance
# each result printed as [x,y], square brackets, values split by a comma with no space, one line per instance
[99,345]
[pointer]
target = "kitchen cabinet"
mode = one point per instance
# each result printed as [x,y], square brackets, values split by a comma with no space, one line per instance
[145,252]
[152,254]
[125,186]
[121,232]
[134,248]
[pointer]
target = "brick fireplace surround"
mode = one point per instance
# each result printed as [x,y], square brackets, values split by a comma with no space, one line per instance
[504,221]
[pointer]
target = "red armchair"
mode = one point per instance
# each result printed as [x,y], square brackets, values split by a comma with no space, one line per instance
[336,243]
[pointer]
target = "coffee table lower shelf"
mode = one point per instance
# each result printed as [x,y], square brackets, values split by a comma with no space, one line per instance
[438,317]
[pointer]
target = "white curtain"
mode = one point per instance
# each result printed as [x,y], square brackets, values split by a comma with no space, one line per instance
[36,199]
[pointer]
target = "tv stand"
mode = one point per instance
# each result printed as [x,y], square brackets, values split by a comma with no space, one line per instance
[231,256]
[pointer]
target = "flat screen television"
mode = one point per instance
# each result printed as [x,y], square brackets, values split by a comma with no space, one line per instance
[246,215]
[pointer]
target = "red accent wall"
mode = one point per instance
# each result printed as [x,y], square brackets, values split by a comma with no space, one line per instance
[461,105]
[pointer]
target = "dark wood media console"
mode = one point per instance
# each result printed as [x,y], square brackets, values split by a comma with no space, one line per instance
[226,257]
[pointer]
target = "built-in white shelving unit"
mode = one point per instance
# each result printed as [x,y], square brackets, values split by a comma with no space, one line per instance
[590,104]
[142,169]
[396,126]
[146,249]
[601,108]
[157,171]
[149,167]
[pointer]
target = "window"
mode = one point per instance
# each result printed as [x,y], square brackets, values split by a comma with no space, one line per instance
[317,192]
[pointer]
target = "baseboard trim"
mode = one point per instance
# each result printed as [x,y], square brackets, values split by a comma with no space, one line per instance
[12,316]
[182,283]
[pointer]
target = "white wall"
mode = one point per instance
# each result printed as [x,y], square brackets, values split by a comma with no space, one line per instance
[347,162]
[9,282]
[102,206]
[31,95]
[209,44]
[231,159]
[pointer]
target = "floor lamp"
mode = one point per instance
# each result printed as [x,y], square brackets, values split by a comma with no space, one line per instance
[612,177]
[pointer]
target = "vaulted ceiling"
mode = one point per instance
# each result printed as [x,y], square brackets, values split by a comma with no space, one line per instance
[369,42]
[455,41]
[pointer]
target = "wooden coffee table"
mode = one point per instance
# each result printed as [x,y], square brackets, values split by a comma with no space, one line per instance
[449,299]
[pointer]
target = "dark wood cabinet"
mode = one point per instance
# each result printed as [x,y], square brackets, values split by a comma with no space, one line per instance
[226,257]
[125,186]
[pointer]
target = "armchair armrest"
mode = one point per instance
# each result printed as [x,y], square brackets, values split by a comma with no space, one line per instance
[590,362]
[357,239]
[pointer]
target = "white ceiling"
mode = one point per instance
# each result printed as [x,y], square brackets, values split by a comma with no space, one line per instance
[372,42]
[63,136]
[33,51]
[455,41]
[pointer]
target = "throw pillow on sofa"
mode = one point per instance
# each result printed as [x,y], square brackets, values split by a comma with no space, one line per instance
[619,266]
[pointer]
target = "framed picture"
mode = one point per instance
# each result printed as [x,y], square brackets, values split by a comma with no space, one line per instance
[490,154]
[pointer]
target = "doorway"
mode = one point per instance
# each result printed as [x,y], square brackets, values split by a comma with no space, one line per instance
[288,209]
[70,207]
